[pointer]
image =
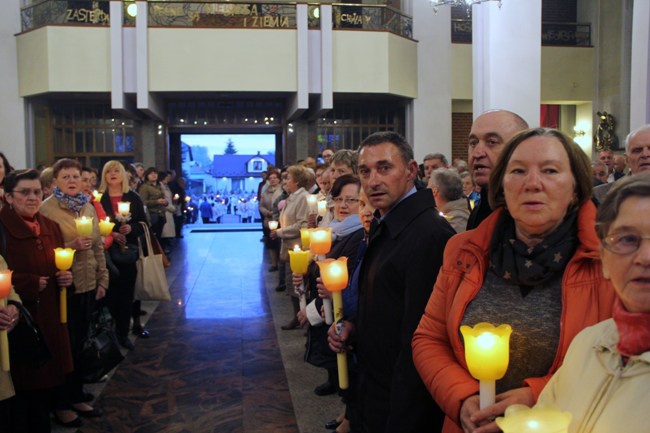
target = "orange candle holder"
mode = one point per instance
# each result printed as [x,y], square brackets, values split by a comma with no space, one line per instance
[5,288]
[335,278]
[63,260]
[320,241]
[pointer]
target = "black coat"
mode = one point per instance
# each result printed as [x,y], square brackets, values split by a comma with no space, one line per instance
[480,212]
[397,276]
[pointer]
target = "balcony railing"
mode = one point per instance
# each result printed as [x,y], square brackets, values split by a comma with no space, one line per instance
[553,34]
[217,15]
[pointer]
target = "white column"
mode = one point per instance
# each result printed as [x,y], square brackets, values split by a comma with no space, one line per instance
[12,111]
[506,56]
[117,63]
[147,102]
[640,70]
[429,116]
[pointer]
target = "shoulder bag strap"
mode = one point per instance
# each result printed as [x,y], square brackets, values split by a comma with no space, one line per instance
[147,236]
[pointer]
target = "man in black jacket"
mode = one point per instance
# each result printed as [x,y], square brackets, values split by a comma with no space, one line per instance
[490,132]
[399,268]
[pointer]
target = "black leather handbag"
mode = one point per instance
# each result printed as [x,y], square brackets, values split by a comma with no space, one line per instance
[101,351]
[126,255]
[27,345]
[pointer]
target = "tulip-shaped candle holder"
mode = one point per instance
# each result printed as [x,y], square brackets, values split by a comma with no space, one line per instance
[322,208]
[106,227]
[335,278]
[312,203]
[305,235]
[487,351]
[273,225]
[5,288]
[522,419]
[63,260]
[84,226]
[320,243]
[299,261]
[97,195]
[123,211]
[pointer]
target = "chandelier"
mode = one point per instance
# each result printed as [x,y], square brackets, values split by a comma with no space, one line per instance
[467,4]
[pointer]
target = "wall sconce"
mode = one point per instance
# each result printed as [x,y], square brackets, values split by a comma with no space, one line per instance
[579,132]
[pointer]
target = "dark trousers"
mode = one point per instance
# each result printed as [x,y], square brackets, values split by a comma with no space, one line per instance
[31,410]
[179,220]
[80,309]
[120,298]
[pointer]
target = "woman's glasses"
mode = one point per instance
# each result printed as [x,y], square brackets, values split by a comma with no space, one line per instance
[28,191]
[347,201]
[624,243]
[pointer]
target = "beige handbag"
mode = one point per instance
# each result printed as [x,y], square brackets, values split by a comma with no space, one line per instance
[151,281]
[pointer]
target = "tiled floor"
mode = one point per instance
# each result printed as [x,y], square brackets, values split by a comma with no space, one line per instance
[213,363]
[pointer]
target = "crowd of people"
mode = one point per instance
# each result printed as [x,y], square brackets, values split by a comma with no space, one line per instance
[528,232]
[524,233]
[38,213]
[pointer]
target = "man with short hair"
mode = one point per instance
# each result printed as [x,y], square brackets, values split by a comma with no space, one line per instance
[447,188]
[637,154]
[619,167]
[490,132]
[433,161]
[327,156]
[599,171]
[399,268]
[606,156]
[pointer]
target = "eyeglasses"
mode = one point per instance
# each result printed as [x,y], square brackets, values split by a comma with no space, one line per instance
[624,243]
[27,191]
[347,201]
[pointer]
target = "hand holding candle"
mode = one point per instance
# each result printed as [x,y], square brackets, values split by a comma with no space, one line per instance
[522,419]
[487,352]
[5,288]
[299,262]
[63,259]
[334,274]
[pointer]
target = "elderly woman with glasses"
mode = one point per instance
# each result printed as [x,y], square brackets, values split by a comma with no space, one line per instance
[605,377]
[533,264]
[31,238]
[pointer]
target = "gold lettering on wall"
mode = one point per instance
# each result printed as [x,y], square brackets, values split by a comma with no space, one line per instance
[267,21]
[355,19]
[95,16]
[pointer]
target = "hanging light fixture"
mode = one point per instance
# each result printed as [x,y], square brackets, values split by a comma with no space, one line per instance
[467,4]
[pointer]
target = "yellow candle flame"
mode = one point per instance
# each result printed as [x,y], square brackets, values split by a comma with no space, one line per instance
[84,226]
[298,260]
[487,350]
[334,273]
[522,419]
[63,258]
[5,283]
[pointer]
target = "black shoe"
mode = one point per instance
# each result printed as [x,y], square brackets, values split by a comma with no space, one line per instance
[325,389]
[94,413]
[75,423]
[294,324]
[281,288]
[125,343]
[140,332]
[333,424]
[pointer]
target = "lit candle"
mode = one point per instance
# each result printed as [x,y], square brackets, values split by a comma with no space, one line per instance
[335,278]
[5,288]
[305,235]
[471,204]
[322,208]
[519,418]
[187,199]
[84,226]
[487,352]
[176,197]
[124,208]
[320,241]
[97,195]
[106,227]
[312,200]
[63,260]
[273,225]
[299,261]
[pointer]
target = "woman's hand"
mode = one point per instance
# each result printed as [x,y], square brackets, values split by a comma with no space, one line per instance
[297,279]
[42,283]
[8,317]
[64,278]
[119,238]
[475,420]
[162,201]
[125,229]
[336,341]
[322,291]
[302,317]
[312,221]
[274,234]
[82,243]
[100,293]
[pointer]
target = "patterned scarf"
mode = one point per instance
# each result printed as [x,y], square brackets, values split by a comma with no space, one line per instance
[514,261]
[72,202]
[633,330]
